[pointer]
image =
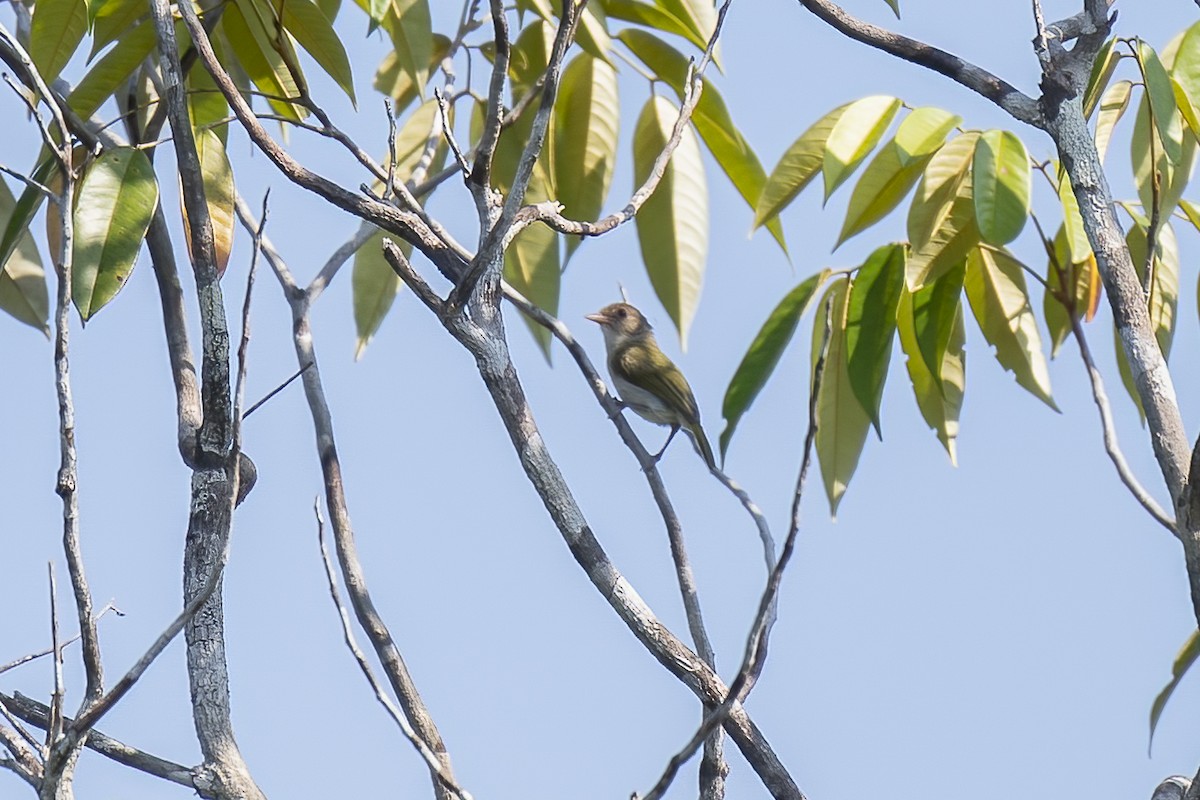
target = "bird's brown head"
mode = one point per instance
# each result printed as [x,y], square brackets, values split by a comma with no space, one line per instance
[621,319]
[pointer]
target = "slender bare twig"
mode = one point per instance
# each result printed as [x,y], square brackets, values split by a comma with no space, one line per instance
[380,693]
[481,334]
[36,746]
[448,132]
[54,731]
[485,150]
[45,190]
[276,390]
[36,713]
[756,640]
[549,212]
[16,662]
[1111,445]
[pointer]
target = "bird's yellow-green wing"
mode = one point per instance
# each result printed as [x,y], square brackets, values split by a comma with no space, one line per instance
[647,367]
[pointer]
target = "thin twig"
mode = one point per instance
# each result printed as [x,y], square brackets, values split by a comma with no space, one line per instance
[276,390]
[54,731]
[756,641]
[1107,426]
[16,662]
[380,693]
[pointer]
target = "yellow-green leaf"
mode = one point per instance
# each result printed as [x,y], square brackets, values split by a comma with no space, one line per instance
[854,135]
[999,298]
[1162,99]
[586,124]
[112,19]
[1185,72]
[391,79]
[871,325]
[57,29]
[711,119]
[880,188]
[652,16]
[313,30]
[117,199]
[411,30]
[1164,279]
[1183,662]
[939,396]
[945,173]
[1149,158]
[1002,186]
[220,195]
[934,308]
[798,166]
[1076,282]
[374,285]
[842,423]
[923,132]
[253,44]
[111,71]
[700,17]
[532,267]
[673,224]
[764,353]
[1112,107]
[1102,72]
[23,291]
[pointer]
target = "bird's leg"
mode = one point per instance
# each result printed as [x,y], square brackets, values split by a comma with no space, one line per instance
[659,454]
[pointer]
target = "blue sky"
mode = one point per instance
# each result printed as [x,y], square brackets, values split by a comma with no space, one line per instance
[1004,624]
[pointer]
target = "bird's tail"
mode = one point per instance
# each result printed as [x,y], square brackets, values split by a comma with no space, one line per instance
[700,440]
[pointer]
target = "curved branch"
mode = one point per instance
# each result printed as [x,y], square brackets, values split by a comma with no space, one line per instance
[1020,105]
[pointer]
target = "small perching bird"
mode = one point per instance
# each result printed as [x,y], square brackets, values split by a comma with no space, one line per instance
[646,379]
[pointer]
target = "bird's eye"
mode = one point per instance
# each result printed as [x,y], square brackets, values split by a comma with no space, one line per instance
[622,313]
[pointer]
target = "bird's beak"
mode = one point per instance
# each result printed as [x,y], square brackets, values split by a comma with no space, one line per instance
[598,318]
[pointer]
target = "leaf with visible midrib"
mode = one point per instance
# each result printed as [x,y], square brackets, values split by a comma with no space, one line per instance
[672,226]
[117,199]
[374,285]
[871,325]
[764,353]
[841,422]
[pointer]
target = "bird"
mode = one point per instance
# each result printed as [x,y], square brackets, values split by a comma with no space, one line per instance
[648,381]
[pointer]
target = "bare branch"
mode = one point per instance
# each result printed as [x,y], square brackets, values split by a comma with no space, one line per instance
[1111,445]
[1019,105]
[16,662]
[380,694]
[36,713]
[481,172]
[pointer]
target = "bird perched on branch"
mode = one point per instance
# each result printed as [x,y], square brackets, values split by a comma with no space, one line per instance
[646,379]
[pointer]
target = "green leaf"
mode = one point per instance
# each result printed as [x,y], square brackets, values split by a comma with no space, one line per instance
[1002,185]
[934,308]
[411,30]
[374,285]
[841,422]
[57,29]
[880,188]
[1164,281]
[798,166]
[711,119]
[206,105]
[23,291]
[586,123]
[1102,72]
[1078,282]
[945,173]
[253,44]
[110,72]
[592,32]
[700,17]
[1000,301]
[113,19]
[1172,177]
[923,132]
[1192,213]
[529,56]
[1162,99]
[532,267]
[220,196]
[764,353]
[854,135]
[652,16]
[939,396]
[314,31]
[1112,107]
[1186,74]
[392,80]
[117,199]
[871,325]
[19,218]
[673,224]
[1183,662]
